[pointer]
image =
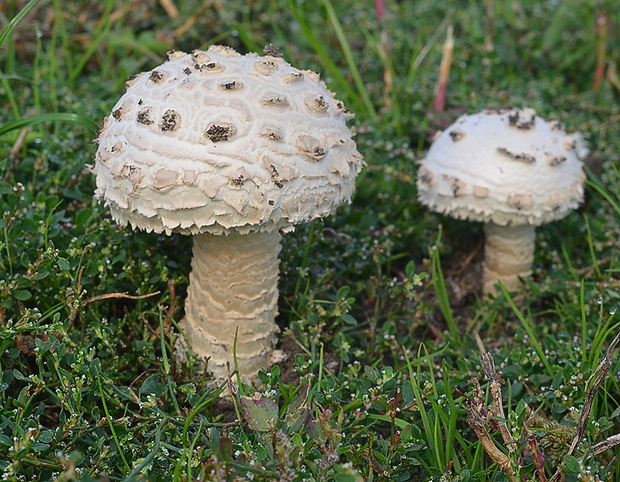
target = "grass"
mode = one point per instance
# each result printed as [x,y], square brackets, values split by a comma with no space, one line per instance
[380,309]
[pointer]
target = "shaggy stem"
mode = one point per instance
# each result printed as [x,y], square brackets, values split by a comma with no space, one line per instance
[508,255]
[233,285]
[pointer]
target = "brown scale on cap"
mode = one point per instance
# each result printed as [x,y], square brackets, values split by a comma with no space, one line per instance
[294,77]
[164,178]
[569,143]
[456,185]
[230,85]
[555,200]
[170,121]
[520,201]
[274,100]
[187,71]
[554,160]
[555,125]
[311,147]
[525,158]
[426,176]
[275,176]
[144,116]
[200,57]
[219,132]
[341,108]
[481,192]
[265,67]
[175,54]
[317,103]
[522,119]
[132,80]
[117,147]
[209,67]
[456,134]
[271,133]
[133,173]
[156,76]
[272,50]
[117,113]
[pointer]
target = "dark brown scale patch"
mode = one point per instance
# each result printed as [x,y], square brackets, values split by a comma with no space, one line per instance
[140,102]
[232,85]
[265,67]
[271,202]
[456,135]
[340,107]
[218,133]
[187,71]
[294,77]
[208,67]
[321,103]
[117,113]
[130,80]
[317,103]
[426,176]
[319,153]
[555,160]
[156,76]
[457,187]
[144,116]
[526,158]
[276,101]
[238,181]
[311,147]
[275,176]
[516,120]
[272,50]
[170,121]
[520,201]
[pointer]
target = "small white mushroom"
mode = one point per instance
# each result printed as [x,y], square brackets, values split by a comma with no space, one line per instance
[510,197]
[233,158]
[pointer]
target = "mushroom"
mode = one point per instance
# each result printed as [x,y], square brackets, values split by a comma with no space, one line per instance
[230,149]
[509,169]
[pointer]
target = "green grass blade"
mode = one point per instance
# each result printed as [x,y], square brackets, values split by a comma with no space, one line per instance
[15,20]
[439,284]
[164,356]
[528,328]
[326,60]
[346,50]
[100,34]
[110,425]
[598,188]
[53,117]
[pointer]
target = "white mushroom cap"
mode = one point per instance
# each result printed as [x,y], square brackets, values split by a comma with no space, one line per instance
[214,141]
[507,166]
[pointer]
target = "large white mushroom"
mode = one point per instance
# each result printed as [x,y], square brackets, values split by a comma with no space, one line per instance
[509,169]
[231,149]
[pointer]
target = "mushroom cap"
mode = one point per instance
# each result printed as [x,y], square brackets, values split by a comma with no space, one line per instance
[507,166]
[215,141]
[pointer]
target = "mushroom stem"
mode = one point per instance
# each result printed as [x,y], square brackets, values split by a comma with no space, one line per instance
[233,286]
[508,255]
